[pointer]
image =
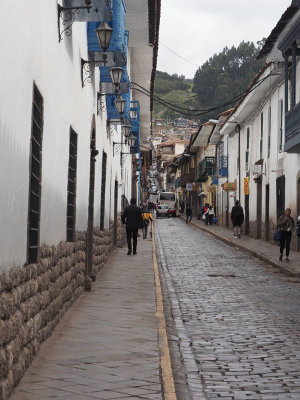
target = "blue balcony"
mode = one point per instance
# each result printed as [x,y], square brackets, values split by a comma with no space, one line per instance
[214,180]
[135,124]
[292,130]
[223,166]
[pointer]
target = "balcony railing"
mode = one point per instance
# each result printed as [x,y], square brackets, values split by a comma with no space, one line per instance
[223,166]
[205,168]
[292,130]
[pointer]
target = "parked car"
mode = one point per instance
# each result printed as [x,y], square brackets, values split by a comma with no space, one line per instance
[162,211]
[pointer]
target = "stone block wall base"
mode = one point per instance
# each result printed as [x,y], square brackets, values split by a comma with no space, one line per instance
[33,299]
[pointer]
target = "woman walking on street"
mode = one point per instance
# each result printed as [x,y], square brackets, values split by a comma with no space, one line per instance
[286,224]
[211,213]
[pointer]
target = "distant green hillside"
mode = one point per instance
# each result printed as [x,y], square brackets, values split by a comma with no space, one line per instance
[218,84]
[176,90]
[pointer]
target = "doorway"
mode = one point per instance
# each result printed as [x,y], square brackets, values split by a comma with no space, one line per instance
[247,214]
[258,206]
[116,214]
[267,217]
[298,210]
[280,195]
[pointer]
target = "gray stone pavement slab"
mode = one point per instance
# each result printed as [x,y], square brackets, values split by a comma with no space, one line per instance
[238,317]
[267,251]
[106,345]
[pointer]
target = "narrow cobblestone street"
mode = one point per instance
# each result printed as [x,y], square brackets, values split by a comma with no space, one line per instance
[236,319]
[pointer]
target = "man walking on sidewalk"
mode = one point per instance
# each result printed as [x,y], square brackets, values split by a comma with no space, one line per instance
[237,218]
[189,214]
[132,217]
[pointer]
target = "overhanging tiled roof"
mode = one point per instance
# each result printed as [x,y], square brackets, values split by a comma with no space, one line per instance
[281,24]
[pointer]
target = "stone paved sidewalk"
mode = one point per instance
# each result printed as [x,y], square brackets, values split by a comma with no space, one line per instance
[105,347]
[266,251]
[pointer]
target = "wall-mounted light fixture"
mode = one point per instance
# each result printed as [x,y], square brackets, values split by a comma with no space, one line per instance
[126,129]
[120,105]
[66,17]
[131,140]
[103,32]
[116,75]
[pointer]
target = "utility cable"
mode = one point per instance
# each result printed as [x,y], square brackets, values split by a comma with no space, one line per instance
[174,108]
[235,98]
[178,55]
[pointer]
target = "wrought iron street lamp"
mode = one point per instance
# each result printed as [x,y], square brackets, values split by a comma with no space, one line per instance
[104,32]
[116,75]
[131,140]
[120,105]
[126,130]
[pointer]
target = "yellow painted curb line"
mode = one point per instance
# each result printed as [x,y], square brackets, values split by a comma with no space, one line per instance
[165,360]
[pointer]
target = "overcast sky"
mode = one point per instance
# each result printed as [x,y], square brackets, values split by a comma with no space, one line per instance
[197,29]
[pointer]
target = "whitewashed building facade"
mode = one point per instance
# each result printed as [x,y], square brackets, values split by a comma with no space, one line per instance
[264,164]
[64,182]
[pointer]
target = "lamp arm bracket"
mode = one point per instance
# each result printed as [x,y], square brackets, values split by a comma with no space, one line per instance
[67,15]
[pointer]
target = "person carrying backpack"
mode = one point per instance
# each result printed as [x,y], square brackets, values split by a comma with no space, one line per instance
[147,218]
[237,218]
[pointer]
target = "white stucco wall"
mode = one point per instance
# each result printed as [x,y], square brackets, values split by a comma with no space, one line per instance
[30,52]
[275,164]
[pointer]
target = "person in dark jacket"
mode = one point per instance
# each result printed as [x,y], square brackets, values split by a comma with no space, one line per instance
[286,224]
[237,218]
[181,207]
[132,217]
[188,212]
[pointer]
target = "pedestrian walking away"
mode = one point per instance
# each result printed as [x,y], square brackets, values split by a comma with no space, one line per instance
[286,224]
[132,217]
[211,213]
[237,218]
[205,213]
[147,218]
[188,212]
[182,207]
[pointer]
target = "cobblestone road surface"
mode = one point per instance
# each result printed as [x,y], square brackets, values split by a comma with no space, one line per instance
[237,319]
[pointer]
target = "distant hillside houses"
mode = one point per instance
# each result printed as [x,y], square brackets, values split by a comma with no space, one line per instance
[184,123]
[180,123]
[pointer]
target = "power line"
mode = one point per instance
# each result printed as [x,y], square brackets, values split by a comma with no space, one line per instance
[181,110]
[178,55]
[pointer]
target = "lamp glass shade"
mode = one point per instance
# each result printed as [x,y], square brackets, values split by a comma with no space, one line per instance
[104,32]
[116,75]
[126,130]
[131,140]
[120,104]
[133,114]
